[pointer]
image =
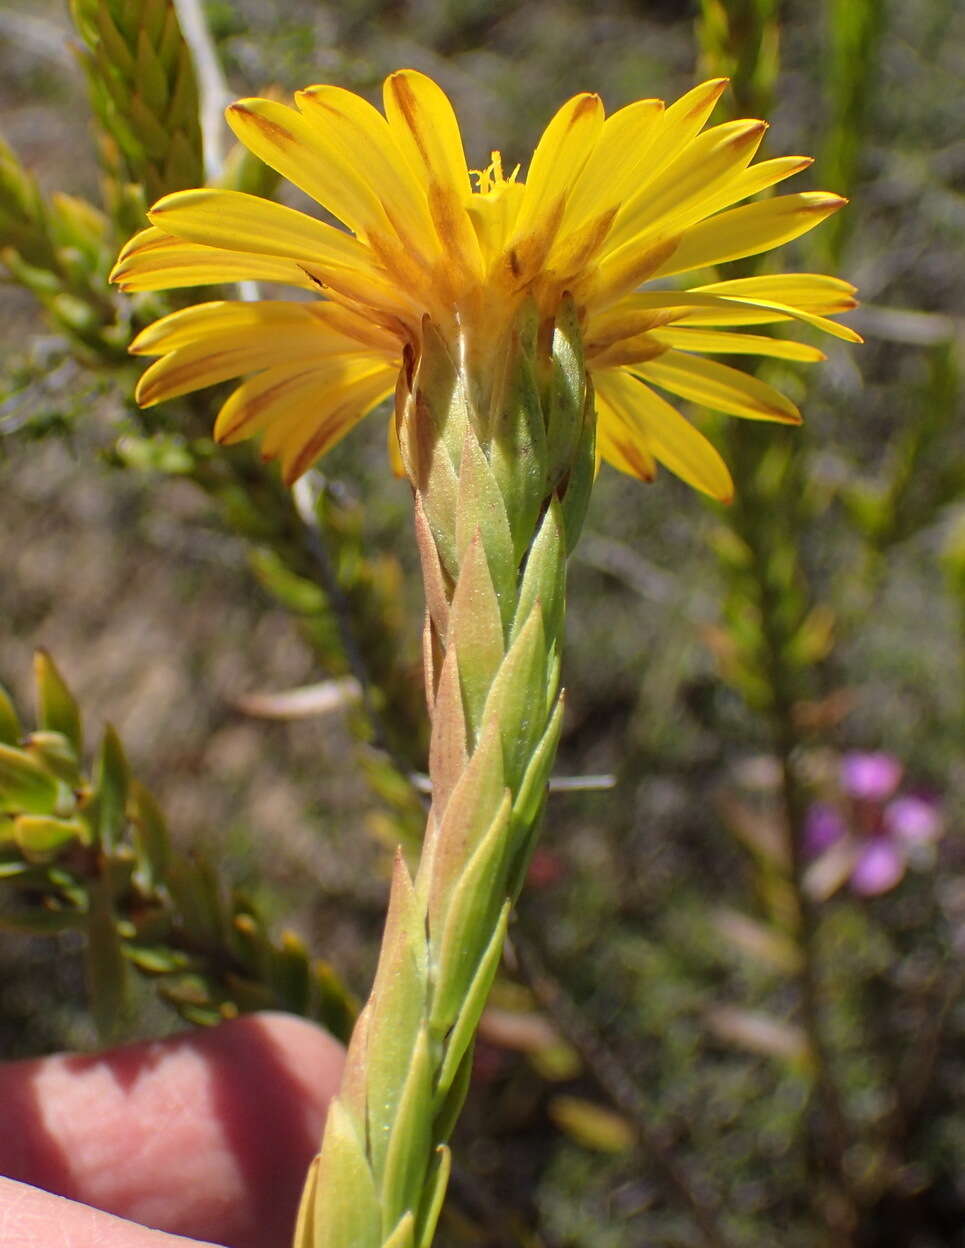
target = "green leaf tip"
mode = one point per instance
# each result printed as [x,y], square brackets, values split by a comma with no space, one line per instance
[57,709]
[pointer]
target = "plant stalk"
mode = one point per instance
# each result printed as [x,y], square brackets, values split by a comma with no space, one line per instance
[496,435]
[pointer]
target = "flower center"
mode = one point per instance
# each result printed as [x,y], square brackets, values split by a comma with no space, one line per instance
[494,204]
[490,181]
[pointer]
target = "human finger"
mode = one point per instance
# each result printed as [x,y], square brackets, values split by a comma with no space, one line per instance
[30,1218]
[205,1134]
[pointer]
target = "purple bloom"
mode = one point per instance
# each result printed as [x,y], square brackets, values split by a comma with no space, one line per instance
[824,826]
[913,820]
[879,867]
[870,777]
[870,836]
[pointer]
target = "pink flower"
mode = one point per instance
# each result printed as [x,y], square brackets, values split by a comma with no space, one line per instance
[870,836]
[913,820]
[878,868]
[870,777]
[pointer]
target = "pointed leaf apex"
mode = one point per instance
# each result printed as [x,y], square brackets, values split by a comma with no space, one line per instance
[11,730]
[57,711]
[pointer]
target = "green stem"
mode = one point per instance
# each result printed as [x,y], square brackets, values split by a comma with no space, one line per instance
[500,457]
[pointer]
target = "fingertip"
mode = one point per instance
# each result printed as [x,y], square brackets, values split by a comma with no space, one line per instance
[31,1218]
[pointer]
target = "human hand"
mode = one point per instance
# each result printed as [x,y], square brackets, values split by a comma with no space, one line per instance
[207,1134]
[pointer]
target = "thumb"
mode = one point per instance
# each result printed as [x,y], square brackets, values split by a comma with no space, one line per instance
[30,1218]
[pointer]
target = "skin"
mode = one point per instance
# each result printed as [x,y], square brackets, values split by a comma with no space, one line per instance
[205,1136]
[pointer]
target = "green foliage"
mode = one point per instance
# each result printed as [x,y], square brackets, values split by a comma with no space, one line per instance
[23,224]
[674,923]
[739,39]
[853,31]
[921,478]
[773,633]
[60,250]
[91,853]
[144,94]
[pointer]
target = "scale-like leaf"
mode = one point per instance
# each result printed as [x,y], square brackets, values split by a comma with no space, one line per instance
[396,1010]
[106,966]
[10,729]
[544,579]
[108,809]
[464,1028]
[57,710]
[25,786]
[481,513]
[475,632]
[475,899]
[404,1234]
[517,697]
[407,1156]
[517,446]
[434,1195]
[41,836]
[346,1212]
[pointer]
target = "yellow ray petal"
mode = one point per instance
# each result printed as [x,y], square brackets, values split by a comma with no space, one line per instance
[196,366]
[145,240]
[725,192]
[615,163]
[633,350]
[718,386]
[153,260]
[625,450]
[562,151]
[729,312]
[356,127]
[574,251]
[780,311]
[271,397]
[331,151]
[309,151]
[290,144]
[425,129]
[681,122]
[688,115]
[215,342]
[749,230]
[241,222]
[317,433]
[649,419]
[810,292]
[674,200]
[278,397]
[717,342]
[620,320]
[675,129]
[219,218]
[328,327]
[753,180]
[696,307]
[621,272]
[205,363]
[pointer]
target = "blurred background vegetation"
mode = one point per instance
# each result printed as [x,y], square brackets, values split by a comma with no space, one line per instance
[707,1031]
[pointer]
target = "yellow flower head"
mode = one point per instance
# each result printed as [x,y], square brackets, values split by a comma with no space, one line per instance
[607,204]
